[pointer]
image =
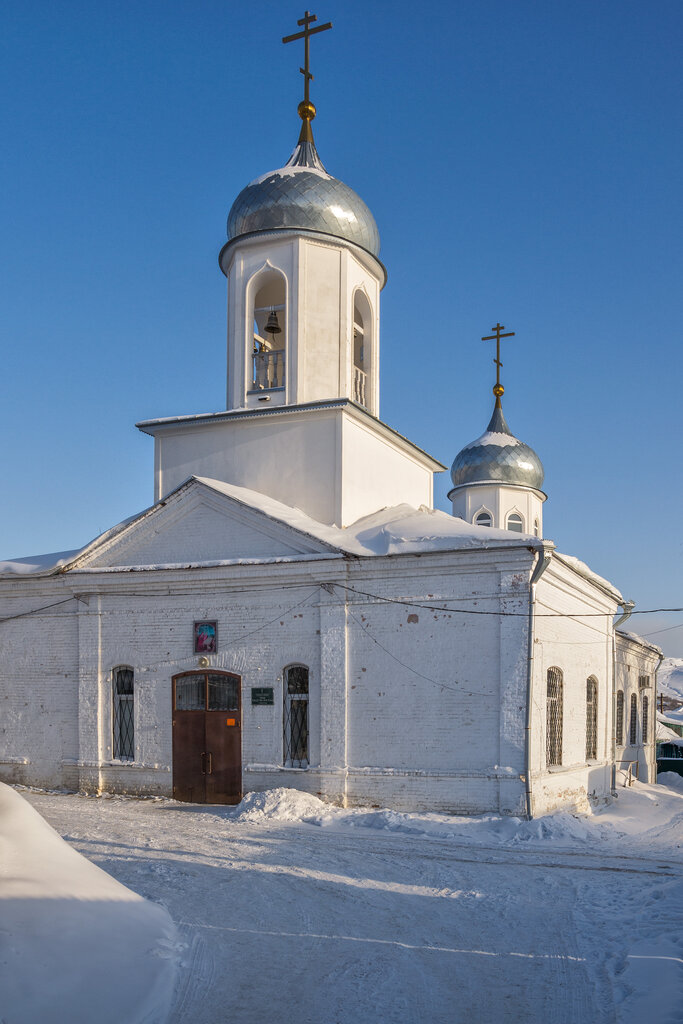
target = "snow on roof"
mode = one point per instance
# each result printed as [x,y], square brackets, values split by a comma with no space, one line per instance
[588,574]
[639,640]
[400,529]
[37,563]
[666,735]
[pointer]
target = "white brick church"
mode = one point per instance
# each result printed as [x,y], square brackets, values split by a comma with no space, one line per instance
[291,610]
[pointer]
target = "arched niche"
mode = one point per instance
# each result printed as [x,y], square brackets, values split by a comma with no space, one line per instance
[267,340]
[362,369]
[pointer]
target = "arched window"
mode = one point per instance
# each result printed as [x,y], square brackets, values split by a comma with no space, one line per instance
[123,687]
[633,726]
[295,718]
[591,719]
[619,729]
[515,522]
[270,330]
[362,348]
[554,714]
[537,528]
[646,709]
[483,518]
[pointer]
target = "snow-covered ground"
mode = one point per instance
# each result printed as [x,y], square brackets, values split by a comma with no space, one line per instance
[670,678]
[76,946]
[291,910]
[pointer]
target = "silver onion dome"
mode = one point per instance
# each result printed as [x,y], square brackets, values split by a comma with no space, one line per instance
[302,196]
[497,456]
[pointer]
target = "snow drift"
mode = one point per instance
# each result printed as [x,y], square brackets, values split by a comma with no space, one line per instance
[75,945]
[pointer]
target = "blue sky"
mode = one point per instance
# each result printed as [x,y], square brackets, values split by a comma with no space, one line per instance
[522,160]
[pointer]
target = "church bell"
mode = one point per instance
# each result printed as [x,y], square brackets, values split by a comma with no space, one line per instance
[272,325]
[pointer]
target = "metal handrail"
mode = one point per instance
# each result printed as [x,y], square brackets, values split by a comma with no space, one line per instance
[629,774]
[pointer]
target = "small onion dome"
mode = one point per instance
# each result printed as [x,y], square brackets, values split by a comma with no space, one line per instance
[302,196]
[497,457]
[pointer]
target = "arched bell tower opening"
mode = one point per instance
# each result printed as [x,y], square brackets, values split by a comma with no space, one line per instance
[363,350]
[267,336]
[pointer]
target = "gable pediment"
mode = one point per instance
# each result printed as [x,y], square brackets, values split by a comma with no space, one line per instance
[198,524]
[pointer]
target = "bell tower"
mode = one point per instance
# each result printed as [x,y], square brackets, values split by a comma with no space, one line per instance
[301,423]
[304,278]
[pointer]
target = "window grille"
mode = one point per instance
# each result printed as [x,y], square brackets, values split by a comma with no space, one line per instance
[553,730]
[643,682]
[124,714]
[296,717]
[620,718]
[483,519]
[645,717]
[591,719]
[633,727]
[515,522]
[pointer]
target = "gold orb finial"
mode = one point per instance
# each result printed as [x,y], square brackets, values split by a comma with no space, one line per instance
[498,390]
[306,110]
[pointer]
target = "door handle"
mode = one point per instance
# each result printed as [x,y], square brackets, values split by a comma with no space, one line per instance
[203,756]
[210,756]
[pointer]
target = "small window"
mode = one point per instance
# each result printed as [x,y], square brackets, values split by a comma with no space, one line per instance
[619,730]
[643,682]
[515,522]
[123,680]
[633,726]
[591,719]
[646,708]
[537,528]
[296,717]
[554,715]
[483,518]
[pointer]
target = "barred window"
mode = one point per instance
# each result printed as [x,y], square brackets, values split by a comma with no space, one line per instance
[619,730]
[296,717]
[633,727]
[553,726]
[123,683]
[645,721]
[643,682]
[591,718]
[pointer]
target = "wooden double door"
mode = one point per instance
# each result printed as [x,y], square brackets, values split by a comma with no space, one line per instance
[207,737]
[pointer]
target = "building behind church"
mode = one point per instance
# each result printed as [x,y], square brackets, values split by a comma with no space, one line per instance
[291,610]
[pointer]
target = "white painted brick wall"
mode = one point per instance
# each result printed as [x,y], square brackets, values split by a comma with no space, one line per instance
[408,707]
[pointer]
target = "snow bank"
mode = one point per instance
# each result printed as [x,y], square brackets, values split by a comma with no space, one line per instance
[670,678]
[646,813]
[77,945]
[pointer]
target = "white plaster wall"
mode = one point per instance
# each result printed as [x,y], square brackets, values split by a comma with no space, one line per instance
[580,647]
[633,661]
[377,474]
[320,278]
[323,461]
[293,458]
[500,501]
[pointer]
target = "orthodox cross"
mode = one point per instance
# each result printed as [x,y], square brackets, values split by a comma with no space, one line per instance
[307,21]
[498,388]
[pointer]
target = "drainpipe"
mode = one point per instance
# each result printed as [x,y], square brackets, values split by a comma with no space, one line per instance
[544,555]
[626,612]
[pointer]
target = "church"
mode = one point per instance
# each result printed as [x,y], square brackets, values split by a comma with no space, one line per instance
[291,610]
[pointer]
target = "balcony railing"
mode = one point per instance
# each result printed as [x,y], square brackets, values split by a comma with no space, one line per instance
[268,370]
[359,385]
